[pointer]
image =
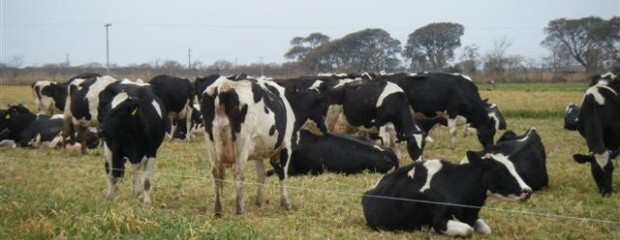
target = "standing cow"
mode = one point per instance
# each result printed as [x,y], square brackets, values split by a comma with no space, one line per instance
[50,96]
[599,124]
[177,94]
[132,130]
[440,95]
[251,119]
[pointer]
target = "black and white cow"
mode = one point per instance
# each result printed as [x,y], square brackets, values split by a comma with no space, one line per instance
[26,129]
[86,104]
[50,96]
[201,83]
[446,196]
[571,117]
[441,95]
[339,154]
[132,130]
[371,105]
[197,125]
[527,154]
[177,94]
[599,124]
[251,119]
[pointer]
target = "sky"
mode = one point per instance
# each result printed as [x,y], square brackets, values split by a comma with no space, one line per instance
[46,31]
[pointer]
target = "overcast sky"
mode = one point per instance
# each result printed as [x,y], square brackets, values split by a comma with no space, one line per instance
[40,31]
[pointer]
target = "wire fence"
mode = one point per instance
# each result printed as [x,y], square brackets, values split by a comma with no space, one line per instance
[552,216]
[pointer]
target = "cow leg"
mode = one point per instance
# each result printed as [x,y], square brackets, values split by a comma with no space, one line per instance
[481,227]
[442,225]
[240,177]
[260,174]
[217,170]
[110,178]
[452,127]
[81,133]
[188,122]
[146,180]
[284,201]
[137,177]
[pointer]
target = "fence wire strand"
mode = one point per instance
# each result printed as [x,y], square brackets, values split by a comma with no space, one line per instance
[338,192]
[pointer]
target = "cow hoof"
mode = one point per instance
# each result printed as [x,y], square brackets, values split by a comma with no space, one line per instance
[217,215]
[286,206]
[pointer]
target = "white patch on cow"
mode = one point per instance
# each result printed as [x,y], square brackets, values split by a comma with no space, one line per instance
[92,96]
[57,116]
[157,108]
[211,89]
[412,74]
[602,159]
[390,88]
[493,116]
[342,82]
[138,82]
[595,92]
[45,103]
[324,74]
[341,75]
[432,167]
[8,143]
[377,147]
[457,228]
[501,158]
[418,139]
[569,108]
[411,173]
[481,227]
[609,75]
[119,98]
[316,84]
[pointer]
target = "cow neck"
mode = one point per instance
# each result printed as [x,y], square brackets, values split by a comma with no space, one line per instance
[476,176]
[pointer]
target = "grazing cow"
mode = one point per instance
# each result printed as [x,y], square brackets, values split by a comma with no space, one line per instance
[434,193]
[252,119]
[50,96]
[599,124]
[571,117]
[197,125]
[371,105]
[440,95]
[339,154]
[177,94]
[605,78]
[86,104]
[527,154]
[132,130]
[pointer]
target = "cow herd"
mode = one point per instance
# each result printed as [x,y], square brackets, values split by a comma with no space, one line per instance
[342,123]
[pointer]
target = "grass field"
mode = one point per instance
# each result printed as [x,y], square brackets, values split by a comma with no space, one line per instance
[54,195]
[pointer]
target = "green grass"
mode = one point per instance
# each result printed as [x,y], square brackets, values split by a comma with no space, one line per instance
[536,86]
[54,195]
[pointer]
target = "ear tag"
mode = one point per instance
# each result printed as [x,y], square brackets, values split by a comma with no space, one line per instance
[134,112]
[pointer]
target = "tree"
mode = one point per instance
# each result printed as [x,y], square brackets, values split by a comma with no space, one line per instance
[495,60]
[300,46]
[588,40]
[470,59]
[434,42]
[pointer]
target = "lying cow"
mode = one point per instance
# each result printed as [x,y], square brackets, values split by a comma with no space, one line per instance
[527,154]
[339,154]
[132,130]
[433,193]
[599,124]
[252,119]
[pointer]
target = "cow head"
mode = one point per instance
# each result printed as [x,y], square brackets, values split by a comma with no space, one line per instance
[308,105]
[571,117]
[494,113]
[486,132]
[500,176]
[602,169]
[415,145]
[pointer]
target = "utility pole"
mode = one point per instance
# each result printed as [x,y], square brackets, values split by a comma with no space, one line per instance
[107,48]
[189,58]
[262,72]
[67,60]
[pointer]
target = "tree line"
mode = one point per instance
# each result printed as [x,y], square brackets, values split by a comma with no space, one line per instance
[586,45]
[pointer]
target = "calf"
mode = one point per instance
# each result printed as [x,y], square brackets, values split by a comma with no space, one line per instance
[371,105]
[527,154]
[251,119]
[599,124]
[339,154]
[571,117]
[132,130]
[445,196]
[177,94]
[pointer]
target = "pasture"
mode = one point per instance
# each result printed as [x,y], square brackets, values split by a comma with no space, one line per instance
[54,195]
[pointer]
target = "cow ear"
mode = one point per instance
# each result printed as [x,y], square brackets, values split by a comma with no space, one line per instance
[580,158]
